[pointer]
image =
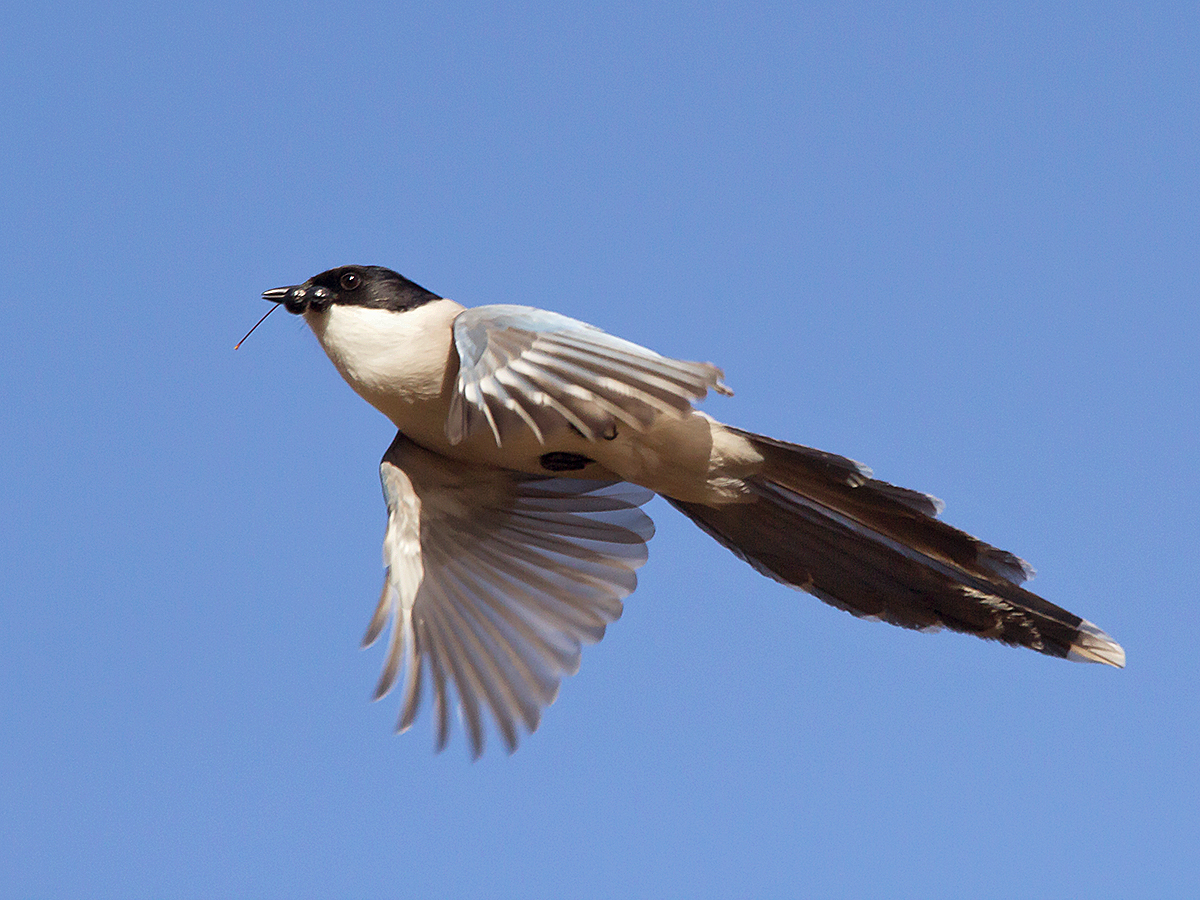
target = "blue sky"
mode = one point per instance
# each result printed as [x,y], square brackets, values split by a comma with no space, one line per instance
[957,244]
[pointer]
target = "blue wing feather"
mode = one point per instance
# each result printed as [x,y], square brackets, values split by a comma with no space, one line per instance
[522,368]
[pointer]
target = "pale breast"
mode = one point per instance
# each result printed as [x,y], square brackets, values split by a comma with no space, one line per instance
[399,362]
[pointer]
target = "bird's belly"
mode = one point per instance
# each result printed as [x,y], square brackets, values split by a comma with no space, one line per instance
[692,458]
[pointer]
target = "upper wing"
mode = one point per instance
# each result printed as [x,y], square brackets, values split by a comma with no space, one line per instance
[525,368]
[495,579]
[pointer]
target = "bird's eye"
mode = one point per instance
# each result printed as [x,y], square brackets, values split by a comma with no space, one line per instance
[350,281]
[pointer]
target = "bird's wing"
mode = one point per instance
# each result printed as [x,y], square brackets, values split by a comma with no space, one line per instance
[494,581]
[524,368]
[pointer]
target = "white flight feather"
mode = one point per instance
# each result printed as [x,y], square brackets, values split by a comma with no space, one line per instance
[495,581]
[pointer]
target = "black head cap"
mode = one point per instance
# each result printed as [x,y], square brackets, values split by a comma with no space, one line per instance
[371,286]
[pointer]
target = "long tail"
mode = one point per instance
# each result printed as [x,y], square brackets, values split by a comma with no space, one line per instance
[820,523]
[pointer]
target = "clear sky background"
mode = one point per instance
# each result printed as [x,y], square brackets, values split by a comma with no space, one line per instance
[957,242]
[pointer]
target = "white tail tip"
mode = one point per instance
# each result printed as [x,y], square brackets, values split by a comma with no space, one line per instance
[1093,645]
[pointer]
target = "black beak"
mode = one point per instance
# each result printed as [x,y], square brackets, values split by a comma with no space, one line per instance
[298,297]
[277,295]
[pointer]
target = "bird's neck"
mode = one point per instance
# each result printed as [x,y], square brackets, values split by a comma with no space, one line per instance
[399,362]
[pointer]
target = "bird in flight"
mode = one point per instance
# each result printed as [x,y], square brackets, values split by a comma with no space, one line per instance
[527,443]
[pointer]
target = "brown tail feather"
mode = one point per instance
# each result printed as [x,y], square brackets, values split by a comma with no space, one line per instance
[818,522]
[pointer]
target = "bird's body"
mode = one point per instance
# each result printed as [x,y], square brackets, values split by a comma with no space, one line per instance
[514,530]
[405,366]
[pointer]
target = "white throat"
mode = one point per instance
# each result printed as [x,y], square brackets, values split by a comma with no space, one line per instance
[399,362]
